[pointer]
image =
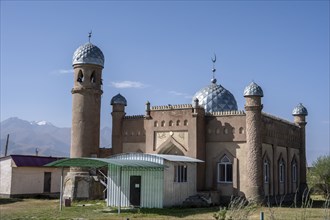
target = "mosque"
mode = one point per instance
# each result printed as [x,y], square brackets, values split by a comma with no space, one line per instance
[244,152]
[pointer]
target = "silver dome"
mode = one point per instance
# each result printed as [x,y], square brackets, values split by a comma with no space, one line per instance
[88,54]
[118,99]
[215,98]
[253,90]
[299,110]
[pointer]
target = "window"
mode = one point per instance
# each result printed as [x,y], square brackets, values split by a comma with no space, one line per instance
[225,130]
[162,123]
[282,171]
[241,130]
[266,171]
[156,124]
[170,123]
[225,170]
[178,123]
[185,123]
[294,171]
[93,77]
[80,77]
[180,173]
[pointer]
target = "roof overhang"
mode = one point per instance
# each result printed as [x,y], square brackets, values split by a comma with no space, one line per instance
[102,162]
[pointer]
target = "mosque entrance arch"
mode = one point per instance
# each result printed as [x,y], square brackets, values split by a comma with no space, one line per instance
[171,149]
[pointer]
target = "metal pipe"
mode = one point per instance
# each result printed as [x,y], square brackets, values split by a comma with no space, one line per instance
[61,190]
[119,200]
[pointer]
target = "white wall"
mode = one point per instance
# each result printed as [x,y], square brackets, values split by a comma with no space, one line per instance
[151,187]
[30,180]
[5,176]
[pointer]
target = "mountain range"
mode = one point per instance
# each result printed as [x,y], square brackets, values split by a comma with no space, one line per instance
[40,137]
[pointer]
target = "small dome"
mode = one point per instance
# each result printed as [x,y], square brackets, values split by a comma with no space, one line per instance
[118,99]
[215,98]
[88,54]
[253,90]
[299,110]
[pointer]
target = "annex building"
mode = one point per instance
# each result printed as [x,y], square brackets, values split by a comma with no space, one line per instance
[245,152]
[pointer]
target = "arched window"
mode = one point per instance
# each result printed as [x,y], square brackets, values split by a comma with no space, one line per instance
[93,77]
[156,124]
[178,123]
[162,123]
[185,123]
[266,171]
[241,130]
[80,77]
[294,171]
[225,130]
[170,123]
[225,170]
[217,130]
[281,171]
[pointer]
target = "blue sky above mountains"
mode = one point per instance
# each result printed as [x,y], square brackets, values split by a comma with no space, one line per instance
[161,52]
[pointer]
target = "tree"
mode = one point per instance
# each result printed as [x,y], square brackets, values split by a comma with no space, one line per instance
[319,175]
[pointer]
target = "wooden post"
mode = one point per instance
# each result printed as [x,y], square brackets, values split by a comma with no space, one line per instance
[6,149]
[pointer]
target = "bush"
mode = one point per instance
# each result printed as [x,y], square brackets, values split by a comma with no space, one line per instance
[319,176]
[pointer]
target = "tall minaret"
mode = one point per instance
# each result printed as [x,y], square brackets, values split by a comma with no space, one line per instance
[88,62]
[253,107]
[118,103]
[299,113]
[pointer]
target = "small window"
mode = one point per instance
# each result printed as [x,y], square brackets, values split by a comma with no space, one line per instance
[225,130]
[156,124]
[180,173]
[217,131]
[170,123]
[241,130]
[225,170]
[162,123]
[185,123]
[282,171]
[266,171]
[178,123]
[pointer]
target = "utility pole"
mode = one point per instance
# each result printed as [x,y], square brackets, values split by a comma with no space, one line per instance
[6,148]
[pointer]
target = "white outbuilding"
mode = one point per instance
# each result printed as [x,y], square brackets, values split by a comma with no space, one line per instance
[26,176]
[144,180]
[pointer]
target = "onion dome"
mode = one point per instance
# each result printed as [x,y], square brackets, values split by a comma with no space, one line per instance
[88,54]
[118,99]
[215,98]
[253,90]
[299,110]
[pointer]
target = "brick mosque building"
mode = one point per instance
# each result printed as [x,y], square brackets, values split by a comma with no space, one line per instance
[245,152]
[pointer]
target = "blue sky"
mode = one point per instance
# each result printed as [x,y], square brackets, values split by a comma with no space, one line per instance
[161,51]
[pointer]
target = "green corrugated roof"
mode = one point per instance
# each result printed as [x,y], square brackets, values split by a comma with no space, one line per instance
[101,162]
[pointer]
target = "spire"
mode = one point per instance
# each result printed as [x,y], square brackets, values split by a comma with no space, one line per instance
[214,80]
[89,36]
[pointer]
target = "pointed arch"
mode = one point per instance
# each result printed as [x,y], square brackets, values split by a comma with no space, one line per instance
[171,146]
[80,76]
[93,78]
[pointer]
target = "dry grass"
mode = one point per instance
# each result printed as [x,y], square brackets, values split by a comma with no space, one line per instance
[49,209]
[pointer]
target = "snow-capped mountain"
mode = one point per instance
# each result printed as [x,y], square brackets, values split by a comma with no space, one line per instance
[25,137]
[43,122]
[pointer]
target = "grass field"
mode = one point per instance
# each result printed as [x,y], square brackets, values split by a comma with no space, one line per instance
[49,209]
